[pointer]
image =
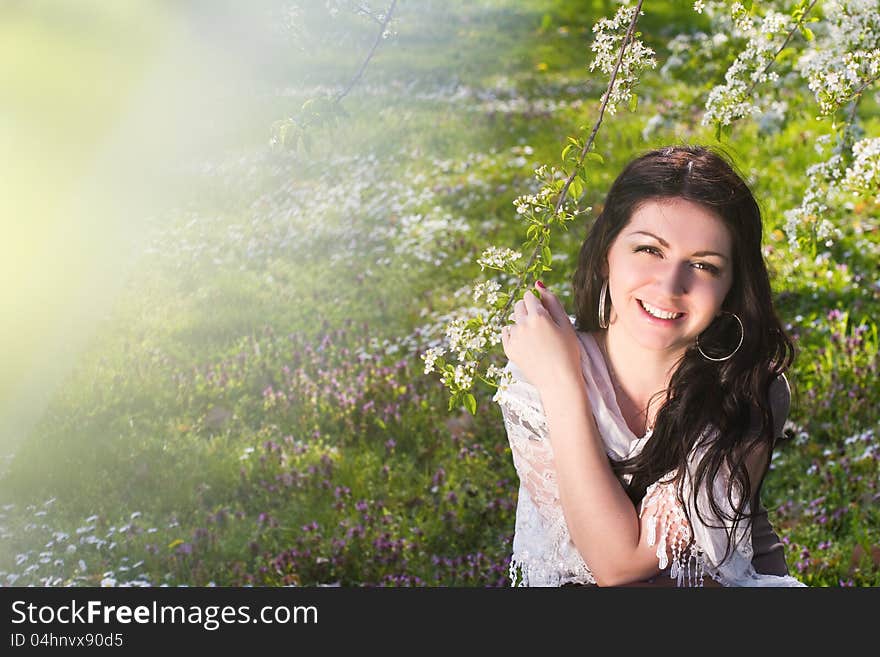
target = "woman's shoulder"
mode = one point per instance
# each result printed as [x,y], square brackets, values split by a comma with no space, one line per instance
[780,393]
[780,403]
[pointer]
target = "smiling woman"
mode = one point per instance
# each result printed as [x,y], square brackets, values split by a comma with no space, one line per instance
[669,275]
[642,435]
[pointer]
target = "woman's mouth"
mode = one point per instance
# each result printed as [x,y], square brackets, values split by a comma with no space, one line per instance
[658,313]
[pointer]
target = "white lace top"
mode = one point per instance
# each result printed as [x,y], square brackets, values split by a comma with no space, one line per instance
[543,551]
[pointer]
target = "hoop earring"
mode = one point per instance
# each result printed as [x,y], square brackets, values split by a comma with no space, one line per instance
[603,293]
[742,335]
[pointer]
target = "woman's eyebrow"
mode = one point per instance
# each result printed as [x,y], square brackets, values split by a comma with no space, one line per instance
[666,244]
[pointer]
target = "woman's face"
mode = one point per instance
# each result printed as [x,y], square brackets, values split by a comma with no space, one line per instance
[669,271]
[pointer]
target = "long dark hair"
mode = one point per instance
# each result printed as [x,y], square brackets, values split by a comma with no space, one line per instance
[724,407]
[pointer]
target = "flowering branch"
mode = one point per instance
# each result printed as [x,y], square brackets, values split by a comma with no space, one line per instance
[838,63]
[800,21]
[471,336]
[586,147]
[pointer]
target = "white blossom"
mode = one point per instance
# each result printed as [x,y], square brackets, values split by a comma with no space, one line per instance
[863,175]
[848,54]
[463,376]
[822,182]
[497,258]
[733,100]
[489,289]
[430,357]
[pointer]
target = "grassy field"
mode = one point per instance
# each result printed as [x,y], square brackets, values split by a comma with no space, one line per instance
[251,408]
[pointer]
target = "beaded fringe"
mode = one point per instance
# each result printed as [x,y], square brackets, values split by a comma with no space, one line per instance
[688,563]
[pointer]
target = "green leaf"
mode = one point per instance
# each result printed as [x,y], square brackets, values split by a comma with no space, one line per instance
[595,157]
[470,403]
[808,33]
[546,256]
[566,150]
[633,102]
[576,187]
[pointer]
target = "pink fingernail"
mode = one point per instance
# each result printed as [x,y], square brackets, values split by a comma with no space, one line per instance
[541,285]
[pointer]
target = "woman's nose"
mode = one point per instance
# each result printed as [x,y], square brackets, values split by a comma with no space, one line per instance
[674,279]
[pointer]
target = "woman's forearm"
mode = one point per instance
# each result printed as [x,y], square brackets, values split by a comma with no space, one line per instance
[600,516]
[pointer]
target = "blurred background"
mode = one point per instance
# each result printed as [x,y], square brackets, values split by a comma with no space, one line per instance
[106,107]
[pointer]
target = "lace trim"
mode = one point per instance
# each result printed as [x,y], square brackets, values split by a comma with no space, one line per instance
[669,530]
[525,411]
[525,573]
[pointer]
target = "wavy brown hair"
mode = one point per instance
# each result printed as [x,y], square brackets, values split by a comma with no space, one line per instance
[722,407]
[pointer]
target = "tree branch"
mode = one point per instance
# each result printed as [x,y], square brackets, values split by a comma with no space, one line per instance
[363,67]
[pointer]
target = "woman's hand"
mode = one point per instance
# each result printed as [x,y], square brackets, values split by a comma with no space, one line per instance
[542,342]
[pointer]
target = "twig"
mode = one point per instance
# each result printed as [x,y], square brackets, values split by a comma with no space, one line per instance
[362,9]
[363,67]
[857,96]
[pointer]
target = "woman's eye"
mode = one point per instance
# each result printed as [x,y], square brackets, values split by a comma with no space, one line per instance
[705,266]
[647,249]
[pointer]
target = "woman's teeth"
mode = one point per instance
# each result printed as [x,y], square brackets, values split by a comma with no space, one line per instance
[656,312]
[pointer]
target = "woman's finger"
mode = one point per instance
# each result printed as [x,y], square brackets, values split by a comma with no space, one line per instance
[533,305]
[553,306]
[519,311]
